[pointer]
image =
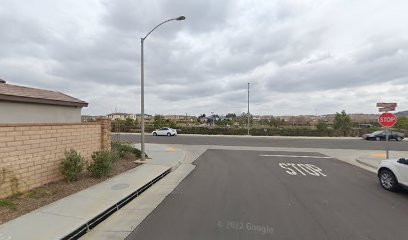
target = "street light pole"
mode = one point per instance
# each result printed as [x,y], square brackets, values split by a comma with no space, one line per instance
[248,109]
[142,147]
[142,138]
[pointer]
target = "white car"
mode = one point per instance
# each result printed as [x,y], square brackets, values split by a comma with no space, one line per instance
[393,173]
[165,132]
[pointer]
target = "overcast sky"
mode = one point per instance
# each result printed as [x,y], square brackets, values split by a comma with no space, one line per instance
[300,57]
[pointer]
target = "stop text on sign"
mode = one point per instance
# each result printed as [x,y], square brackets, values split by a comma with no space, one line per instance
[387,120]
[304,169]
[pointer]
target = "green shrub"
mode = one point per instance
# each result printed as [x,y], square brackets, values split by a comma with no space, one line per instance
[5,203]
[122,149]
[72,165]
[101,165]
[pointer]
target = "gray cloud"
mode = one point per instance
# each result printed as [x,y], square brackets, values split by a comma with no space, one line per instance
[386,63]
[310,53]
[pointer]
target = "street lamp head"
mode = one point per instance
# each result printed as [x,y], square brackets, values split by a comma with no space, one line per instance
[180,18]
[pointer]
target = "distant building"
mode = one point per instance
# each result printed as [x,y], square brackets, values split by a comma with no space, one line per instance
[121,116]
[364,118]
[90,118]
[302,120]
[124,116]
[180,118]
[258,118]
[175,117]
[147,117]
[355,118]
[20,104]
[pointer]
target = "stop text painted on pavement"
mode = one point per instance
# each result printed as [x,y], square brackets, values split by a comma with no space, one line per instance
[304,169]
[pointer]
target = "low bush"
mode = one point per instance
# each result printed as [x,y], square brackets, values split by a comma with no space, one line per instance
[123,149]
[72,165]
[101,165]
[270,131]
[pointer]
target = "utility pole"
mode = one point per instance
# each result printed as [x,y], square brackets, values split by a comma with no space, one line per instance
[248,109]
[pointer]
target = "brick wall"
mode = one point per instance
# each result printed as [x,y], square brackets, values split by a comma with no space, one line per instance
[30,154]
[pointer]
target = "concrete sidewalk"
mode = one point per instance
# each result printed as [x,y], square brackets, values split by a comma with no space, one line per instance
[75,214]
[124,221]
[373,160]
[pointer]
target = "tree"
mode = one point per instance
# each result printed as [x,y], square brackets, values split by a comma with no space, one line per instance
[264,122]
[224,122]
[321,125]
[118,125]
[402,123]
[129,122]
[172,124]
[158,121]
[342,122]
[232,116]
[275,122]
[243,119]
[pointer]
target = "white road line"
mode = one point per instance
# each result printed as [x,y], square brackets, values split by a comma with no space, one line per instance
[291,156]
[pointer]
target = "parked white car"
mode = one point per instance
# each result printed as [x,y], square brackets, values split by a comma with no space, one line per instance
[165,132]
[393,173]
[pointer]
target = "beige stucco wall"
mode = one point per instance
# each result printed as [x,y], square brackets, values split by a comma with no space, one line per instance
[30,154]
[13,112]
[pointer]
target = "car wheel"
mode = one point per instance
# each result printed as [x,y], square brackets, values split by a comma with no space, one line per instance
[388,180]
[378,139]
[154,134]
[168,134]
[399,138]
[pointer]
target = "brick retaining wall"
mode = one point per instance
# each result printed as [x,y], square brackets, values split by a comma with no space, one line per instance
[30,154]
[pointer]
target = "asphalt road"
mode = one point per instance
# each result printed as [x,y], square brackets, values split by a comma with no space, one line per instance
[270,142]
[243,195]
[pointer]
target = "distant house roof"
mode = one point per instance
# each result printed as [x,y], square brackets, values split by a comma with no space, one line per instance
[13,93]
[120,114]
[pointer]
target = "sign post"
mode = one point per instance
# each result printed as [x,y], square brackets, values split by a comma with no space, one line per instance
[387,120]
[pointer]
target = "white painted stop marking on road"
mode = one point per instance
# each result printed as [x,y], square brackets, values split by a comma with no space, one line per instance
[303,169]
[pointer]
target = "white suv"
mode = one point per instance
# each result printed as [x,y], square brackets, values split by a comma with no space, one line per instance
[393,173]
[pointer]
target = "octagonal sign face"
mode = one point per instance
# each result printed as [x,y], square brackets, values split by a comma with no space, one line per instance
[387,120]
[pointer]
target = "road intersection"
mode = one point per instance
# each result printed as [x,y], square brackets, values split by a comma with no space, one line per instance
[271,188]
[236,194]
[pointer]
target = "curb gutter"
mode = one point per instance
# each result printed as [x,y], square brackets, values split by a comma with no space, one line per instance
[105,214]
[366,164]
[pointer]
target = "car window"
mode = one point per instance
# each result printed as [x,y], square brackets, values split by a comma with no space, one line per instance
[377,132]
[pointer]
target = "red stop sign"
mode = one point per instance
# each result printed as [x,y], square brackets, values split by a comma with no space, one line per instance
[387,120]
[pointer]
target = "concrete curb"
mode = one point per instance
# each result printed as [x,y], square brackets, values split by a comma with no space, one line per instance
[124,221]
[74,215]
[108,212]
[93,204]
[372,166]
[179,162]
